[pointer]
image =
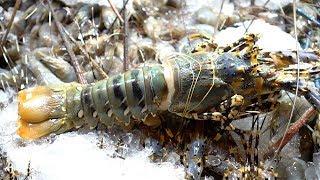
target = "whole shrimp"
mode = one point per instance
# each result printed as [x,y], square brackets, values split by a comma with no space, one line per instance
[203,82]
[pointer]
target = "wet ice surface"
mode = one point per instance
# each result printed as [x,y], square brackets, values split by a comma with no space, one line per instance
[76,156]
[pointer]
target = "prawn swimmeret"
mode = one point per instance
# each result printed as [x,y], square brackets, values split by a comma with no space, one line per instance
[203,82]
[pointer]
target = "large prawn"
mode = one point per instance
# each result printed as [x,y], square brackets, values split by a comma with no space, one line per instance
[202,82]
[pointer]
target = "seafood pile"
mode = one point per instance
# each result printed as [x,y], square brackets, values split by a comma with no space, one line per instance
[228,89]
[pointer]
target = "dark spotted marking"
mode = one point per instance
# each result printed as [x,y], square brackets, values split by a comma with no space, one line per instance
[241,43]
[118,91]
[87,101]
[85,96]
[117,88]
[226,49]
[136,89]
[242,46]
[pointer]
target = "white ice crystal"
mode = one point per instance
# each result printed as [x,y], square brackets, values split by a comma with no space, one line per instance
[273,4]
[215,5]
[270,4]
[117,3]
[272,37]
[75,156]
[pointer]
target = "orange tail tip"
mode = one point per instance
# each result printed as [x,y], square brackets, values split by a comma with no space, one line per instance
[33,104]
[42,112]
[34,131]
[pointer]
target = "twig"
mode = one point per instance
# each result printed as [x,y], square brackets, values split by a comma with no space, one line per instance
[291,21]
[94,63]
[125,38]
[291,131]
[115,10]
[68,46]
[298,74]
[309,114]
[84,51]
[308,17]
[115,19]
[219,16]
[254,18]
[16,7]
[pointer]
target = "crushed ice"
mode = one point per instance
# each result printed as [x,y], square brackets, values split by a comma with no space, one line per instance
[76,156]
